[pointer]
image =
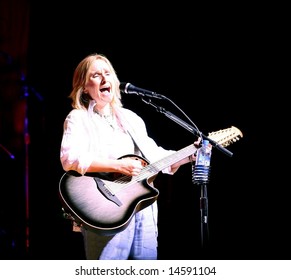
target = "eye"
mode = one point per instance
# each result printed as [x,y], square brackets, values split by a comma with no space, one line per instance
[96,75]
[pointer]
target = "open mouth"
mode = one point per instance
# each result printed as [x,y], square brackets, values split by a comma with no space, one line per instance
[106,89]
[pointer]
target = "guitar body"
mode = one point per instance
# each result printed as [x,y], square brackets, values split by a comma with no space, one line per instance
[104,206]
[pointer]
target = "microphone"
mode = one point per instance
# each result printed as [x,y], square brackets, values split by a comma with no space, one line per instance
[131,89]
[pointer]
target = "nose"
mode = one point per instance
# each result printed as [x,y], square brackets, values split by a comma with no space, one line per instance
[103,75]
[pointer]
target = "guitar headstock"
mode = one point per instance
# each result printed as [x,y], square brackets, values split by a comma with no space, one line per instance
[227,136]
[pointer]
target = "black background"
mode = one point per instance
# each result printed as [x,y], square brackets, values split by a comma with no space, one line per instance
[214,64]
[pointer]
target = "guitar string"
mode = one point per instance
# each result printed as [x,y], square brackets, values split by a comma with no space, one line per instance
[153,169]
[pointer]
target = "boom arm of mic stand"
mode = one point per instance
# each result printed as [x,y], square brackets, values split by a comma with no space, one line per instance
[189,127]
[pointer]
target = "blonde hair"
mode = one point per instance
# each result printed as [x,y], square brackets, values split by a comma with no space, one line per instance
[81,77]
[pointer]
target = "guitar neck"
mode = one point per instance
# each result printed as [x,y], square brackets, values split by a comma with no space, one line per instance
[156,167]
[223,137]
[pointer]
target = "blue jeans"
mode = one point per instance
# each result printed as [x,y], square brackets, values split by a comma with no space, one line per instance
[137,242]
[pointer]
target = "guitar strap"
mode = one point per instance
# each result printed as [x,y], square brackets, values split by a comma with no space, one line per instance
[127,127]
[137,148]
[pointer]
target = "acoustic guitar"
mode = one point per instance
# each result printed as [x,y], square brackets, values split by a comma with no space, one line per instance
[106,202]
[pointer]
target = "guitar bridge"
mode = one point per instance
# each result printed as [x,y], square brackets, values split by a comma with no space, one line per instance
[107,193]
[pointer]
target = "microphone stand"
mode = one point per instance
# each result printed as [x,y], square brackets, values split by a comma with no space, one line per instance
[203,185]
[187,126]
[26,92]
[26,165]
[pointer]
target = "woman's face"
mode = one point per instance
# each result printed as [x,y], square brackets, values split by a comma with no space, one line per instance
[99,85]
